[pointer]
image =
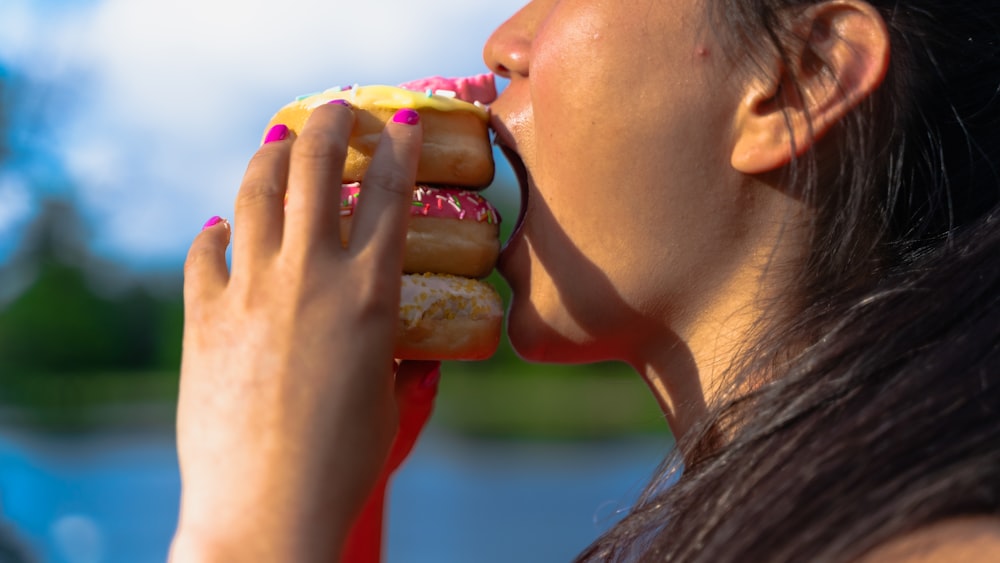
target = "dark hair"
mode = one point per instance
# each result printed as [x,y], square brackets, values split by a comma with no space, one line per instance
[887,417]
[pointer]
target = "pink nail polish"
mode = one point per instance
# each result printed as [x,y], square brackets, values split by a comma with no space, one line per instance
[406,116]
[340,102]
[277,133]
[212,222]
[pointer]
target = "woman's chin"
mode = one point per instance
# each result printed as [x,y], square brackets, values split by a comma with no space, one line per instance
[536,338]
[527,331]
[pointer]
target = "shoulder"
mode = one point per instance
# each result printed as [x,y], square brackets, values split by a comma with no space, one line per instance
[967,539]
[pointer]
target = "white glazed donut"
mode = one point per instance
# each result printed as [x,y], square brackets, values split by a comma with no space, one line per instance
[444,317]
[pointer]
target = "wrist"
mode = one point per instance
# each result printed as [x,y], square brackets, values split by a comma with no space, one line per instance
[257,538]
[189,547]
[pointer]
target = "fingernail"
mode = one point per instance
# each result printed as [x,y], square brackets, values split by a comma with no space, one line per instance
[406,116]
[212,222]
[277,133]
[431,380]
[340,102]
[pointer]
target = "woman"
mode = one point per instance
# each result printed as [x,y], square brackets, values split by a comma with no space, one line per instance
[786,214]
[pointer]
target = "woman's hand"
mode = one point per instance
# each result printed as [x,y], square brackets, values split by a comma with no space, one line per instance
[287,404]
[416,387]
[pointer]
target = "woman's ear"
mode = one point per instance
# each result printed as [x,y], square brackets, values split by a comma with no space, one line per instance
[842,58]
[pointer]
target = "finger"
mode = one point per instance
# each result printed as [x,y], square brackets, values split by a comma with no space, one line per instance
[312,215]
[382,212]
[416,388]
[205,271]
[260,202]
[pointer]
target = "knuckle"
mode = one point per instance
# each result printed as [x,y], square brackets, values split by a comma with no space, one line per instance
[318,144]
[197,312]
[194,287]
[378,299]
[393,179]
[266,156]
[246,298]
[199,253]
[263,182]
[258,191]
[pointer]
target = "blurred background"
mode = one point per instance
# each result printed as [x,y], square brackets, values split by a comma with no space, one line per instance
[124,125]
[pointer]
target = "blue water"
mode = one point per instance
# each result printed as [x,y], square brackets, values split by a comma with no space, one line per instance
[113,497]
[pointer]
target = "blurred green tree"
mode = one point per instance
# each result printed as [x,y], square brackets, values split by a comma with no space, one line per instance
[60,322]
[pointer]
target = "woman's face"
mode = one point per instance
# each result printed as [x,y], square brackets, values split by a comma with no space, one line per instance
[622,115]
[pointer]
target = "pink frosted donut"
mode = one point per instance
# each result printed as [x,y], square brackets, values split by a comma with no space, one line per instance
[451,231]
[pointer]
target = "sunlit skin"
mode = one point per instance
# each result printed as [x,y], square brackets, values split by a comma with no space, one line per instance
[655,231]
[640,241]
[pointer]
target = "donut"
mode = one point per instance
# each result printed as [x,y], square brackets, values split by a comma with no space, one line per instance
[456,149]
[452,238]
[444,317]
[451,231]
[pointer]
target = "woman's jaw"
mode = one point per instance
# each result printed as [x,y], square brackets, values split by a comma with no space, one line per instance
[525,326]
[559,295]
[534,338]
[567,308]
[530,318]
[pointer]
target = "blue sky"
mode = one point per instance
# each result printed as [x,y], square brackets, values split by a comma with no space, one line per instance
[157,104]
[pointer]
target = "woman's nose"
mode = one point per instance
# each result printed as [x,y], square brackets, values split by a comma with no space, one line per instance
[507,51]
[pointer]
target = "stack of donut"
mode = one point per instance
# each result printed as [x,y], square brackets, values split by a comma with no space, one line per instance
[446,311]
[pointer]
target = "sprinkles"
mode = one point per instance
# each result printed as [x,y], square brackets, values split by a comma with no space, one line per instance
[430,202]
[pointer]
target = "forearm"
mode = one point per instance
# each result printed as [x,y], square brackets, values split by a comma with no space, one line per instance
[272,532]
[280,535]
[202,546]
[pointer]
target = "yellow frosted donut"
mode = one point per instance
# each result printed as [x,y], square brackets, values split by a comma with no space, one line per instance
[456,149]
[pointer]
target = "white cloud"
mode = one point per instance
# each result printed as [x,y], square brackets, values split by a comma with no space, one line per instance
[178,90]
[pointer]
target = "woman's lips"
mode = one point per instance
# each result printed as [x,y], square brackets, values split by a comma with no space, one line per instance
[504,139]
[520,172]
